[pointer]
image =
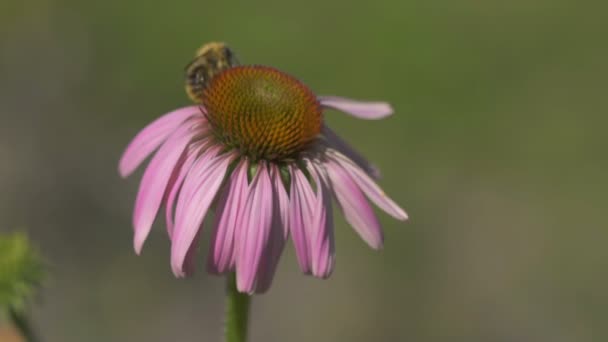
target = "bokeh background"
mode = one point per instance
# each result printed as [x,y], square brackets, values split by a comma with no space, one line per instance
[497,150]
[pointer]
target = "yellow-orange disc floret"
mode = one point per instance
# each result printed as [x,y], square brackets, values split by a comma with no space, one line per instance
[262,112]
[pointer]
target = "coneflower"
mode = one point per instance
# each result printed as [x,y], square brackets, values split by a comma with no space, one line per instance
[256,150]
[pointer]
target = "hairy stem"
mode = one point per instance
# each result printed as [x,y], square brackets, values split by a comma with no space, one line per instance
[237,312]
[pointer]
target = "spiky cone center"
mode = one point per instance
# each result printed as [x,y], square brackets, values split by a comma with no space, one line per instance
[262,112]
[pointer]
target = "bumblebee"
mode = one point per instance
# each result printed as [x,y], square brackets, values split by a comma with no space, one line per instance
[211,59]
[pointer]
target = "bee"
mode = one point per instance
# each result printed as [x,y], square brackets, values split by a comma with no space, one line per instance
[211,59]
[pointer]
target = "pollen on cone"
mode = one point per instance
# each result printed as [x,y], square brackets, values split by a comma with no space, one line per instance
[263,112]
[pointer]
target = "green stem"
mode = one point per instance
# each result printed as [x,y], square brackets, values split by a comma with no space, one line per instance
[22,324]
[237,312]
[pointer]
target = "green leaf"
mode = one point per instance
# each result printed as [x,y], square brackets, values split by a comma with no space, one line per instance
[21,272]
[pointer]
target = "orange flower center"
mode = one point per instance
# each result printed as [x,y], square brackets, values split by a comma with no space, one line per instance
[263,112]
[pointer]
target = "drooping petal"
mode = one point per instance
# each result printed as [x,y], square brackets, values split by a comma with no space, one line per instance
[190,260]
[270,259]
[302,200]
[154,182]
[282,199]
[359,109]
[231,203]
[370,188]
[253,230]
[355,207]
[339,144]
[198,191]
[149,138]
[175,184]
[279,232]
[322,242]
[192,178]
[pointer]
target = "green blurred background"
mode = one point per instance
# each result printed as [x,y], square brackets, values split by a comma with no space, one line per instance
[497,150]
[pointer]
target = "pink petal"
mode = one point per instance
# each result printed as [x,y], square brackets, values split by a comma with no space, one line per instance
[199,190]
[253,230]
[302,200]
[322,242]
[176,182]
[371,189]
[282,200]
[231,204]
[354,205]
[154,183]
[359,109]
[270,258]
[194,176]
[149,138]
[339,144]
[278,233]
[190,260]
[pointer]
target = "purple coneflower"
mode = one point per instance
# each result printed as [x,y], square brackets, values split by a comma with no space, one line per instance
[257,153]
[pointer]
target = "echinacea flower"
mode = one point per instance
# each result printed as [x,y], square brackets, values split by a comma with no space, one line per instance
[257,153]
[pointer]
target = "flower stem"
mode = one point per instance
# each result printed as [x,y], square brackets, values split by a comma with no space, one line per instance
[237,312]
[21,323]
